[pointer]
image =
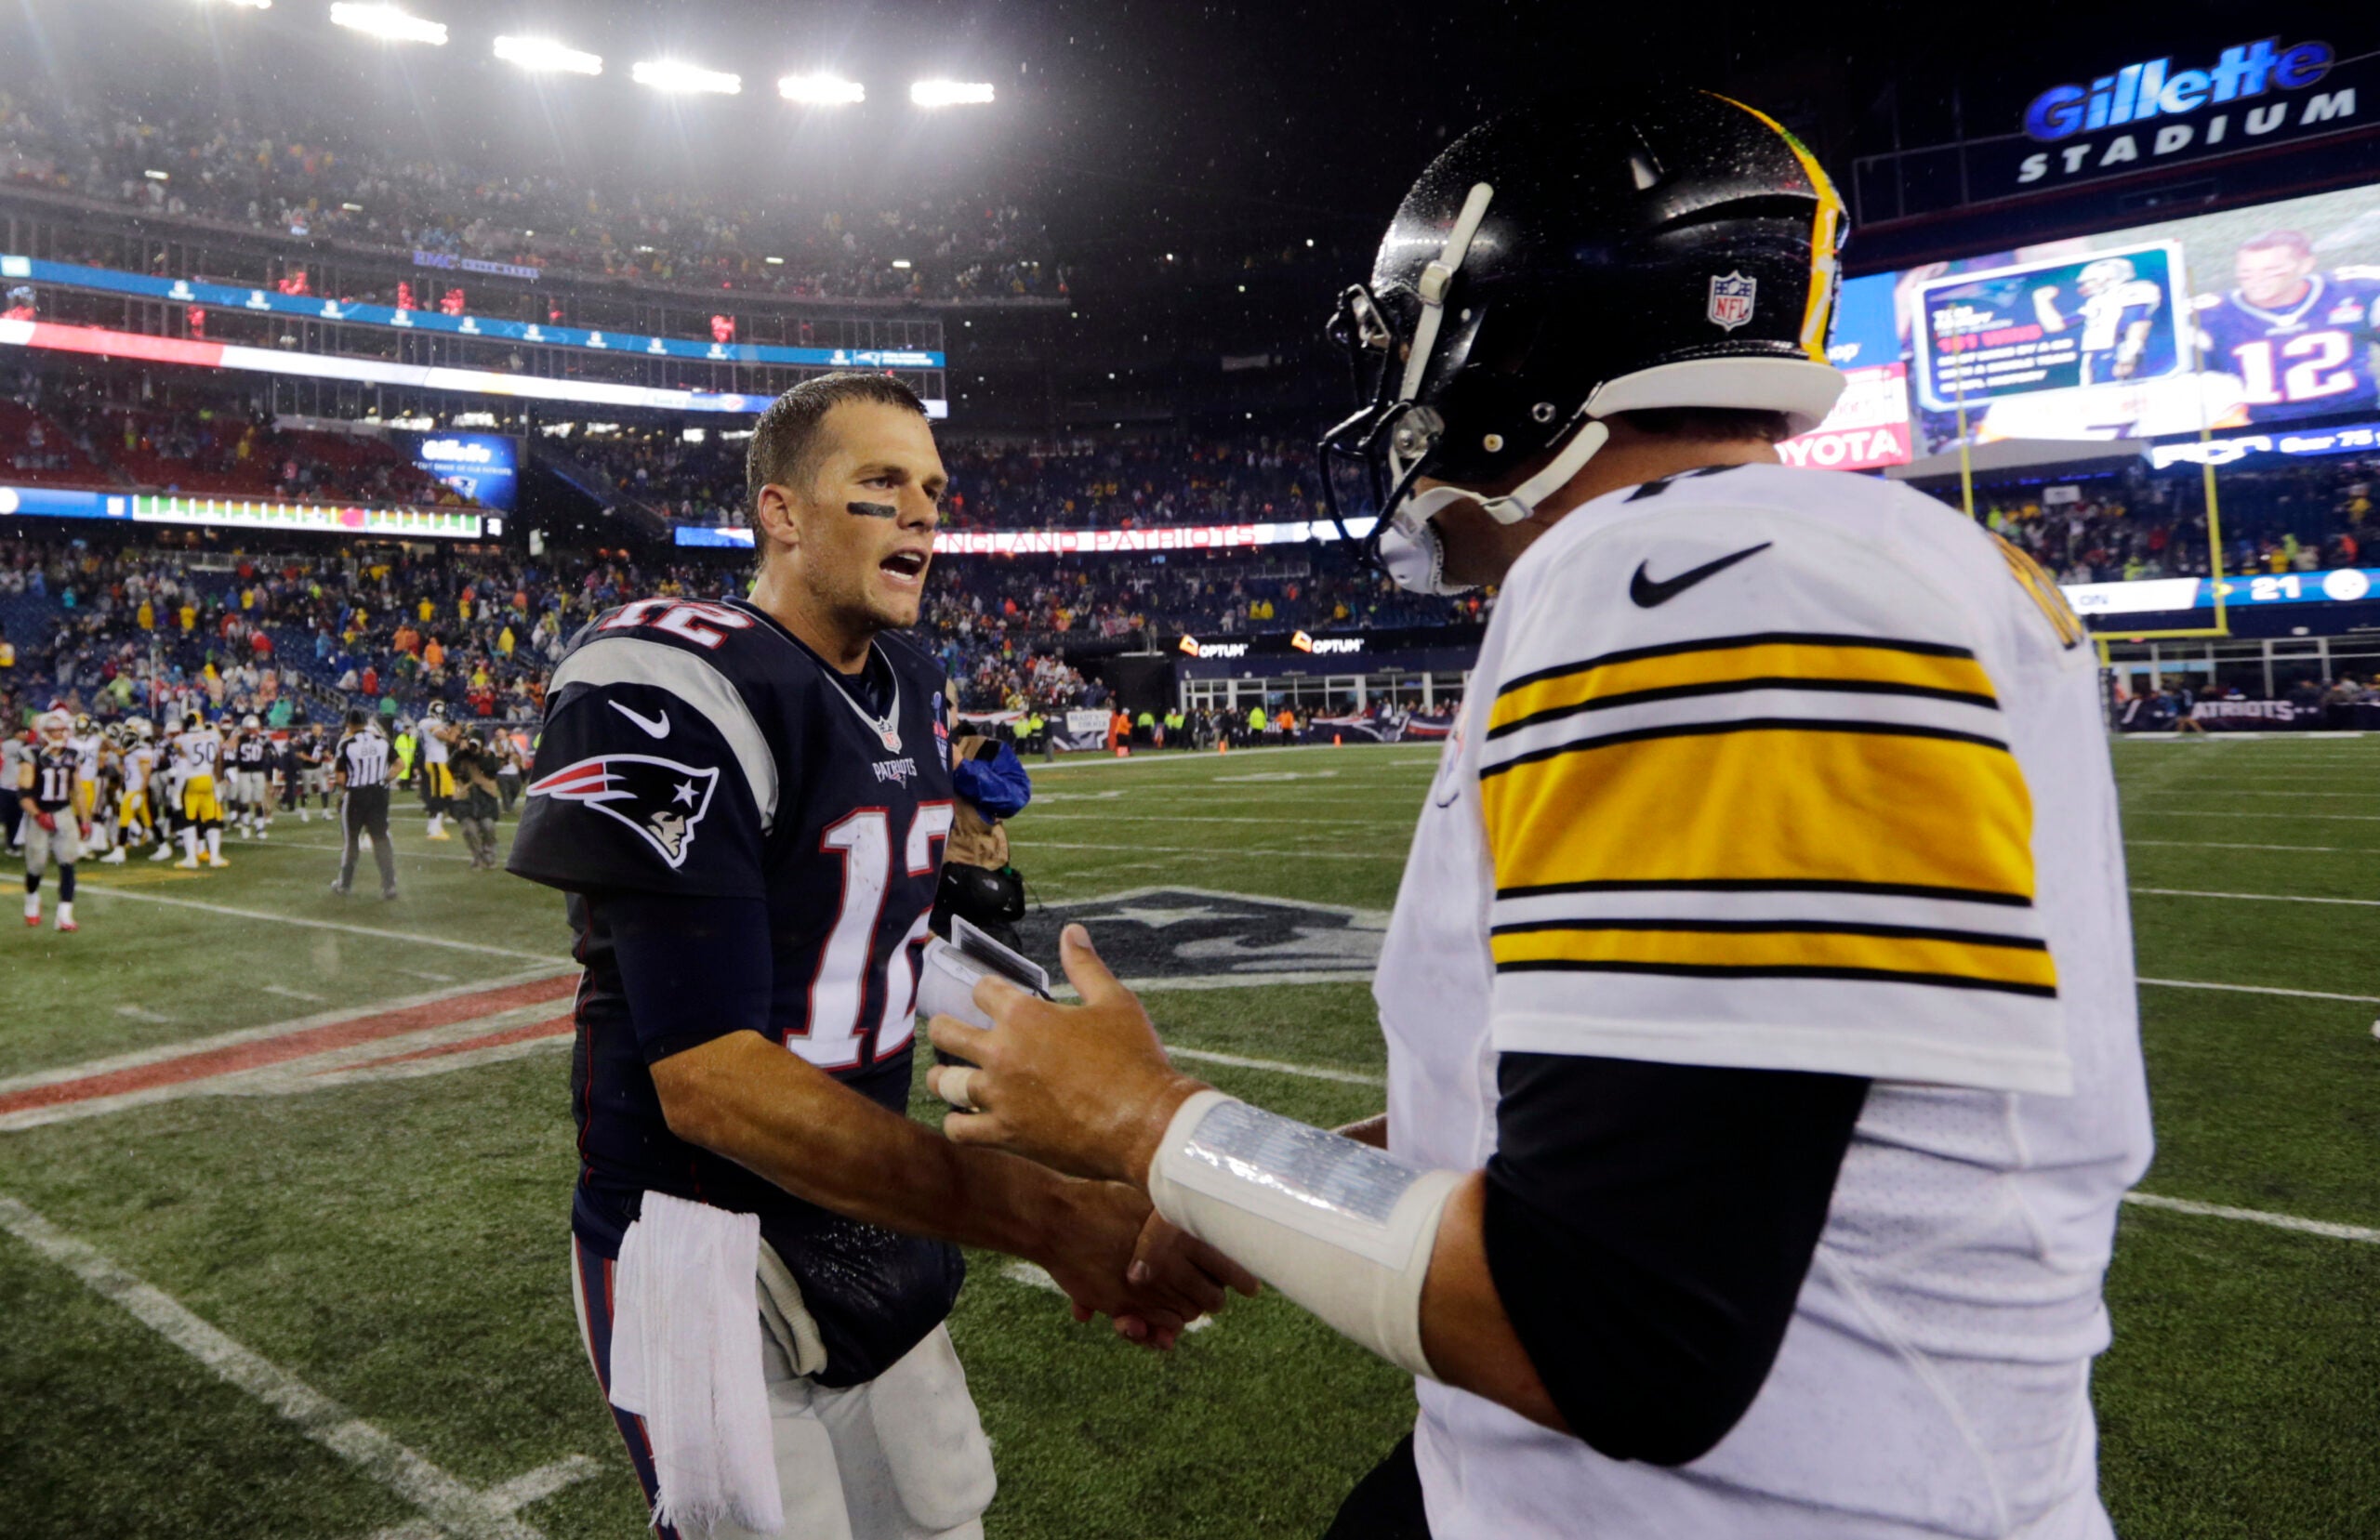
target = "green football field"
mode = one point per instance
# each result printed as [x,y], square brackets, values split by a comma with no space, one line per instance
[284,1176]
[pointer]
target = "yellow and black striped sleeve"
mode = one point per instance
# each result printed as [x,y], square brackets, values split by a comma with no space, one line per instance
[1782,849]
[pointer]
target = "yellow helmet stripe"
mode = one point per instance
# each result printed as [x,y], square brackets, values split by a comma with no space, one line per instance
[1826,238]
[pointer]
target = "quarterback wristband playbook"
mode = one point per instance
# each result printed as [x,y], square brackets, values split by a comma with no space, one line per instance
[1341,1228]
[947,974]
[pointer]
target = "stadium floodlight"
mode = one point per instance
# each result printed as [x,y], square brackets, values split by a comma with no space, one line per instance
[544,54]
[249,5]
[821,90]
[950,93]
[670,74]
[387,23]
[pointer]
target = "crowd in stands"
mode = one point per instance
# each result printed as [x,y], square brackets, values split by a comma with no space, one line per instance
[1140,484]
[308,185]
[57,431]
[121,630]
[2302,518]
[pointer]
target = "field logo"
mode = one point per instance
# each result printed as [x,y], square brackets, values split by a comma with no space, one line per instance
[1731,300]
[1156,933]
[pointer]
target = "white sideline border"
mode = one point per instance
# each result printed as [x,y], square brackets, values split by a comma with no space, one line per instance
[88,886]
[448,1505]
[2256,898]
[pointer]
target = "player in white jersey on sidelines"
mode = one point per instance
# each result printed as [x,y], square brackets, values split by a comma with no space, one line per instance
[437,770]
[200,750]
[1763,1068]
[88,744]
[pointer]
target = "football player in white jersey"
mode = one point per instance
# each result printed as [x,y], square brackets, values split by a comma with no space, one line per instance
[437,772]
[1763,1068]
[133,819]
[200,751]
[90,779]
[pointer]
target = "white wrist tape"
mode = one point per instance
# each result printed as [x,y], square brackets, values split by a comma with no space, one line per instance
[1341,1228]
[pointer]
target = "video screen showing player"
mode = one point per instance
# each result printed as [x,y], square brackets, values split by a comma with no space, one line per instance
[2298,340]
[2117,310]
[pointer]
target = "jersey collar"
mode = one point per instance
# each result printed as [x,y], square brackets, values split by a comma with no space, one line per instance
[886,727]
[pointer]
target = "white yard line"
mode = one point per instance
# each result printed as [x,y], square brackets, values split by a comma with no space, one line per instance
[288,993]
[142,1013]
[2226,845]
[1311,1071]
[2256,1216]
[1398,815]
[1249,980]
[1028,844]
[453,1507]
[1209,757]
[511,1497]
[2259,898]
[88,886]
[2258,989]
[2221,812]
[2167,790]
[402,852]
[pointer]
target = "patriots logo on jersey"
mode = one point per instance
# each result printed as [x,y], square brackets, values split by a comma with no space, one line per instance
[661,800]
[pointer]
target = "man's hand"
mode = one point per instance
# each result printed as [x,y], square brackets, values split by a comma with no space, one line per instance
[1084,1088]
[85,830]
[1118,1258]
[49,822]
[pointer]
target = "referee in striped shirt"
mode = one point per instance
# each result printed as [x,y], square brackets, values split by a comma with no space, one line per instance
[360,772]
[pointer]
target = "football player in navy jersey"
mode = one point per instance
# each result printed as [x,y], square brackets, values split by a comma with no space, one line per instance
[2300,340]
[747,803]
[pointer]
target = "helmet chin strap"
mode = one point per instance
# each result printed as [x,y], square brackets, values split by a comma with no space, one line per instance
[1519,503]
[1416,554]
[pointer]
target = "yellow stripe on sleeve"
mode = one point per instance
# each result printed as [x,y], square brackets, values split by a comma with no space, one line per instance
[1815,951]
[1832,661]
[1790,804]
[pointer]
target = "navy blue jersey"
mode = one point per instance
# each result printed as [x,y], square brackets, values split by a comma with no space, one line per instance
[699,750]
[56,769]
[2301,360]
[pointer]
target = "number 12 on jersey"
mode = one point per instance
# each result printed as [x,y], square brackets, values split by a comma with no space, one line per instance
[834,1039]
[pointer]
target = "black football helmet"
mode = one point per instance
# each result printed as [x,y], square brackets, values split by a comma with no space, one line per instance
[1565,262]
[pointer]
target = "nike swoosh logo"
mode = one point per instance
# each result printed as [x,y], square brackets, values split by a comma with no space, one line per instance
[1649,592]
[656,726]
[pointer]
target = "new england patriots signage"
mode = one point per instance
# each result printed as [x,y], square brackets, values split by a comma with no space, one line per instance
[661,800]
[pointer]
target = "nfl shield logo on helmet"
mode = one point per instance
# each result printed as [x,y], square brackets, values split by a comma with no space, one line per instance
[1731,300]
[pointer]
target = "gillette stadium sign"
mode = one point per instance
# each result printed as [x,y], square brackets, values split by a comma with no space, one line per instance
[2159,111]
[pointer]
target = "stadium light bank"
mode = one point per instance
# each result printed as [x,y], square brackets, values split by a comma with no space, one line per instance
[387,23]
[670,74]
[950,93]
[544,54]
[821,90]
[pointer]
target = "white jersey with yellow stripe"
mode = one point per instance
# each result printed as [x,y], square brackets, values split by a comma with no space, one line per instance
[1792,769]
